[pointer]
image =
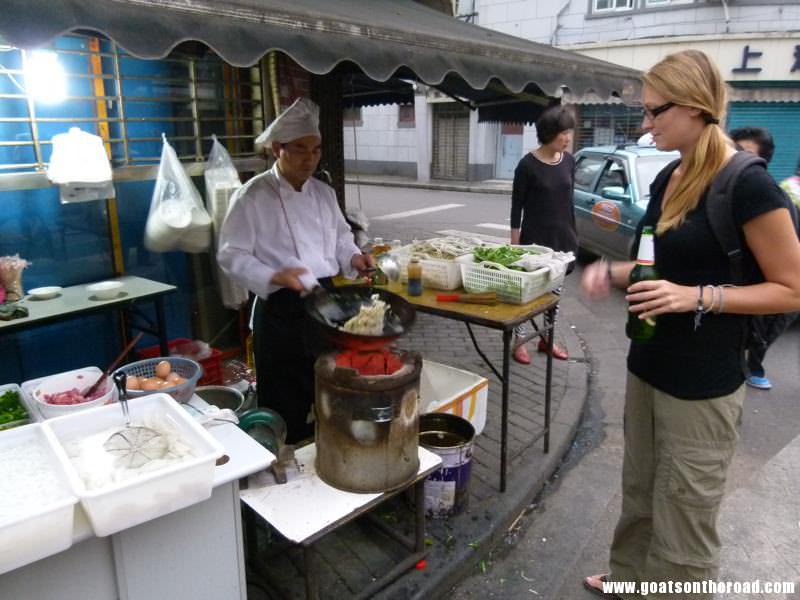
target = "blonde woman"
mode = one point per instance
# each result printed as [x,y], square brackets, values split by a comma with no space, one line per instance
[685,387]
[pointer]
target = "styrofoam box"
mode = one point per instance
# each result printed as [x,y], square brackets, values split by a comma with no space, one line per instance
[450,390]
[128,503]
[48,529]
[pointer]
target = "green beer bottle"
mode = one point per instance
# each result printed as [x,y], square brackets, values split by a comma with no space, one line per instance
[637,329]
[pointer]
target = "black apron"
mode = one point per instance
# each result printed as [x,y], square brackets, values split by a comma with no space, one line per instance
[286,343]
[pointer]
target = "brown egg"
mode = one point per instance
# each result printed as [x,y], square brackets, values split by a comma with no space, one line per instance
[178,380]
[132,383]
[163,369]
[173,376]
[150,383]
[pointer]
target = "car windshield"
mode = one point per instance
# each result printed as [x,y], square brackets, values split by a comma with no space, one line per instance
[647,167]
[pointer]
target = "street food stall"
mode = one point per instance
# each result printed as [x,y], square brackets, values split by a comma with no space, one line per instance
[139,77]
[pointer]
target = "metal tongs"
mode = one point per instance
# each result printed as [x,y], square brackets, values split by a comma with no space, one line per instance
[133,446]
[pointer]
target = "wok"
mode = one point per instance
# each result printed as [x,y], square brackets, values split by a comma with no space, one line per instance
[332,309]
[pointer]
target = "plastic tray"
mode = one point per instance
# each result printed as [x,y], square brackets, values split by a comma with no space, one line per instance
[449,390]
[513,287]
[14,387]
[150,495]
[47,529]
[437,273]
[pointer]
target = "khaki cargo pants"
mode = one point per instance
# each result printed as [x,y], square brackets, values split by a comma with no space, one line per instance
[677,454]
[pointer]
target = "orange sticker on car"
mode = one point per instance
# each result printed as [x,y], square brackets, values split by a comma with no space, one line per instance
[606,216]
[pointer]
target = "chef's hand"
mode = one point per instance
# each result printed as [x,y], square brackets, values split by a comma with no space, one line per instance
[363,263]
[289,278]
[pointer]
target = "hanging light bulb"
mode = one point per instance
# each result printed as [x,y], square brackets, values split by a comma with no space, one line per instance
[45,79]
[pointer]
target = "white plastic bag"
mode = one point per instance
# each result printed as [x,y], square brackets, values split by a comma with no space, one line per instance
[78,157]
[177,218]
[79,165]
[222,180]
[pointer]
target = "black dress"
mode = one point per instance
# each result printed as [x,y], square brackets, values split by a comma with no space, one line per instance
[541,202]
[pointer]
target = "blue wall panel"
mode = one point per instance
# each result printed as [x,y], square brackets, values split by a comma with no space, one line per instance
[70,244]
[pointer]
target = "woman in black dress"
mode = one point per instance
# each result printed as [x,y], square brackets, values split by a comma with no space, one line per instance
[541,199]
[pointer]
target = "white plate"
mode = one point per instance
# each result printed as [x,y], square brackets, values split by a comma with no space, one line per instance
[45,293]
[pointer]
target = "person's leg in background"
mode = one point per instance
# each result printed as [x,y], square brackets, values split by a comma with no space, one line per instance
[764,330]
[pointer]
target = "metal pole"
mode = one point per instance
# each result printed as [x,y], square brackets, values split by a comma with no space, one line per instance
[198,144]
[37,149]
[504,421]
[120,106]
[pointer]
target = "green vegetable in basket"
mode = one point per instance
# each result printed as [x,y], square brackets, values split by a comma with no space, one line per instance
[11,408]
[502,255]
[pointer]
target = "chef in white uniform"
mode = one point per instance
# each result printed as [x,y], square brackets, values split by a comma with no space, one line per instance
[283,235]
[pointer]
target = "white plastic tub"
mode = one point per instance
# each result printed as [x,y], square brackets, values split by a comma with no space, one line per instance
[449,390]
[120,505]
[39,523]
[35,408]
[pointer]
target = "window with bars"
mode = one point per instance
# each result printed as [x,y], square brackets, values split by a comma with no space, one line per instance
[130,102]
[607,124]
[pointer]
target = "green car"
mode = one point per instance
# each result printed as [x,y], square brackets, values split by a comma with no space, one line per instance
[612,189]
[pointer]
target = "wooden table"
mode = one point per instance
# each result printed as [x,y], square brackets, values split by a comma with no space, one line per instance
[76,301]
[503,317]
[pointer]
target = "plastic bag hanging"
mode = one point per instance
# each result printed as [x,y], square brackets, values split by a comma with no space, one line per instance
[222,181]
[79,165]
[177,219]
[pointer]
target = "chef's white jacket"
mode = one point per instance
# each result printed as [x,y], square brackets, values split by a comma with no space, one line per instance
[256,240]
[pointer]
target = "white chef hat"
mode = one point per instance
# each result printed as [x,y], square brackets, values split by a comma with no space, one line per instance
[299,120]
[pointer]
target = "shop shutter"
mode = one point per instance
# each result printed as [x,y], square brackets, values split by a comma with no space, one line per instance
[450,141]
[782,119]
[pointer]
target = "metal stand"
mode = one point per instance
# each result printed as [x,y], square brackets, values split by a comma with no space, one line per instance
[505,376]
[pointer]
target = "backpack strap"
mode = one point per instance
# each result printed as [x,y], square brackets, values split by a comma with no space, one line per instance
[719,208]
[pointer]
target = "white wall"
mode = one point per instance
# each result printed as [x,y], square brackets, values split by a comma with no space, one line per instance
[482,140]
[379,138]
[544,20]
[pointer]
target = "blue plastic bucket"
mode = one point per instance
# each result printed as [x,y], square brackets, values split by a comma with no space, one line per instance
[451,438]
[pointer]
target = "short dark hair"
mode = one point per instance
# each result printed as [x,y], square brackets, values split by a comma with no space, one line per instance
[552,122]
[759,135]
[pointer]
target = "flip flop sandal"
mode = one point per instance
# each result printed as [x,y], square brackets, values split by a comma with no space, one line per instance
[599,591]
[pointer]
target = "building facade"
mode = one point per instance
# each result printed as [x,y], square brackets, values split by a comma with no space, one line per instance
[755,43]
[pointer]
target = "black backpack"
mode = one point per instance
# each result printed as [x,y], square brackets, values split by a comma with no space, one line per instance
[719,207]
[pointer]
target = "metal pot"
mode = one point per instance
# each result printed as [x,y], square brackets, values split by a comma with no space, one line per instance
[223,396]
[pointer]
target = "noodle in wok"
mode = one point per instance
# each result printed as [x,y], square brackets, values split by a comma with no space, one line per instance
[369,320]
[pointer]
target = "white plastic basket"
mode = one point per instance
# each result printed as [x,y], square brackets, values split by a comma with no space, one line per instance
[437,273]
[151,494]
[511,286]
